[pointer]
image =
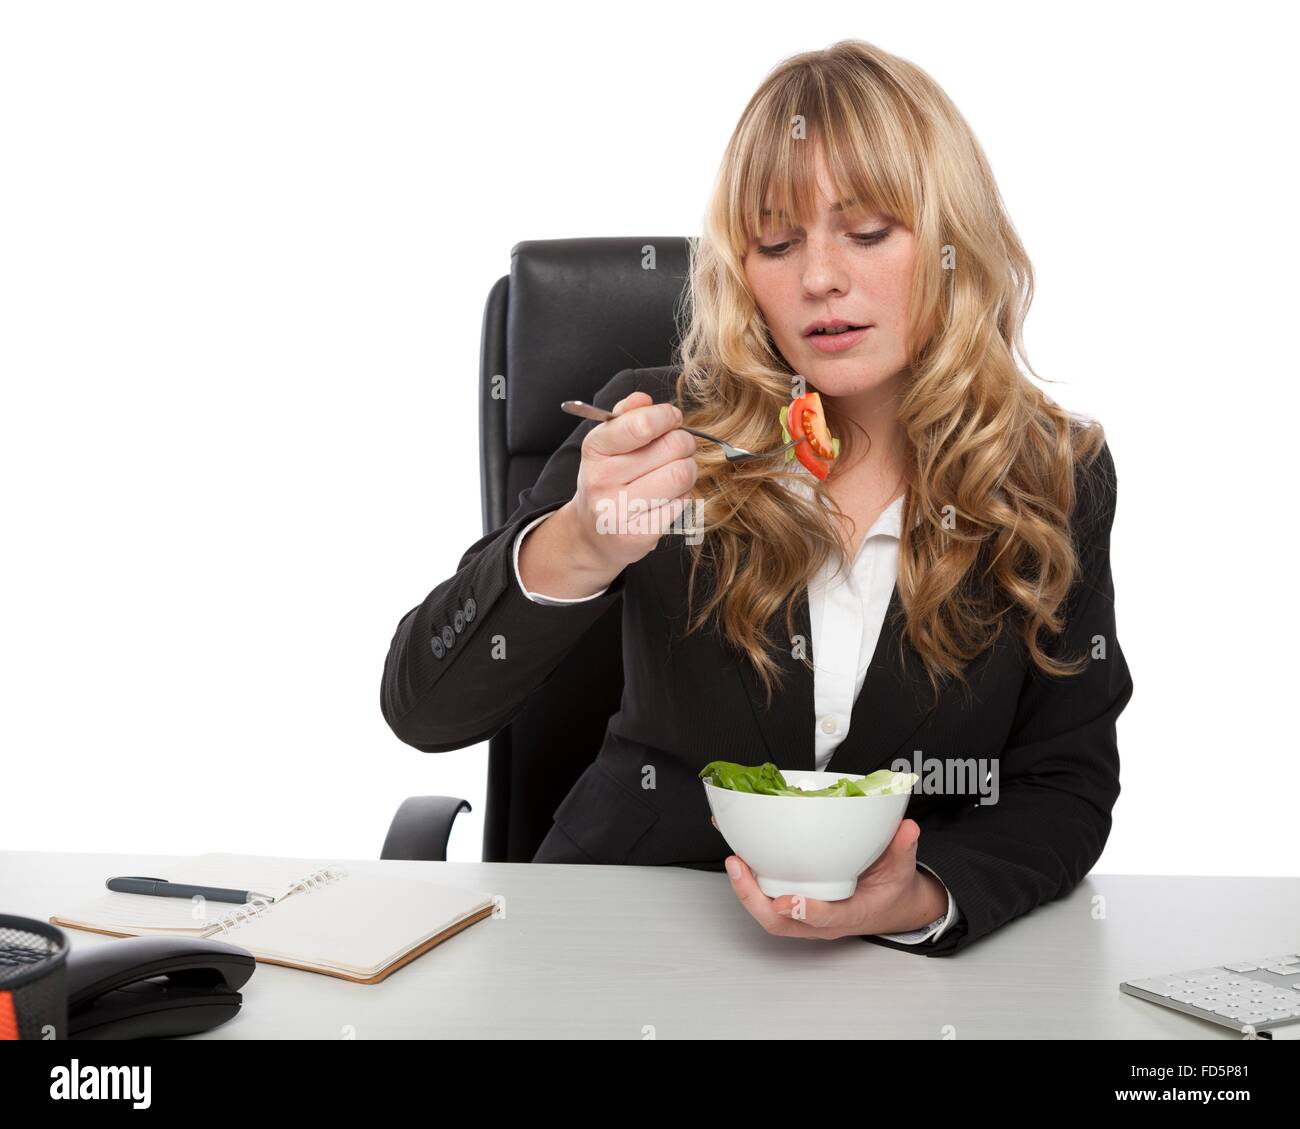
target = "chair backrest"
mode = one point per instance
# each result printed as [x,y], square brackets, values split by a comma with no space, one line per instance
[569,315]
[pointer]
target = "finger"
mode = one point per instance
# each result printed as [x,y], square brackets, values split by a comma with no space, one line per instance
[632,400]
[759,905]
[898,857]
[905,838]
[671,445]
[666,518]
[662,485]
[632,429]
[901,845]
[751,897]
[832,917]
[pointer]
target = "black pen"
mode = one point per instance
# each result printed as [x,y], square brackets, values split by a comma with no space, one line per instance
[164,889]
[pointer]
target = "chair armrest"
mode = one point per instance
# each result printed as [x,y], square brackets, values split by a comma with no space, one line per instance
[421,828]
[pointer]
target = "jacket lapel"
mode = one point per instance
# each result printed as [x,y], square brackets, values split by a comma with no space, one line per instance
[787,727]
[889,709]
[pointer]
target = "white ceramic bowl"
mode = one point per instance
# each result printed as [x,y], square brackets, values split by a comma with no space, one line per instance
[816,846]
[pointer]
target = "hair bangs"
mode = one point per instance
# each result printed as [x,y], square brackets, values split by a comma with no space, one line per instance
[776,157]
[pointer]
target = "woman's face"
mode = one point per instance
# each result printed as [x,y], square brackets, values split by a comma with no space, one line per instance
[852,265]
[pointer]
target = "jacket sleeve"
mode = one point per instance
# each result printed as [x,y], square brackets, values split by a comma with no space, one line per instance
[462,664]
[1059,769]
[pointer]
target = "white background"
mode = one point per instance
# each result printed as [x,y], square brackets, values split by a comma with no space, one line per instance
[244,254]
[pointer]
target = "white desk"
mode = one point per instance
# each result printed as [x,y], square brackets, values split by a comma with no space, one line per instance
[619,952]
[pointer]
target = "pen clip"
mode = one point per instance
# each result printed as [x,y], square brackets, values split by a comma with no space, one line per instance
[138,878]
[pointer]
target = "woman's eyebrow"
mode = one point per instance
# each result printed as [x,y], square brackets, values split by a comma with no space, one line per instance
[842,205]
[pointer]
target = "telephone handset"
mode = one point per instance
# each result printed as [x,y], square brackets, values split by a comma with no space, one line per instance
[153,987]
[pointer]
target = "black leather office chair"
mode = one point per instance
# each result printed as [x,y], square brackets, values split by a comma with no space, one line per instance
[571,313]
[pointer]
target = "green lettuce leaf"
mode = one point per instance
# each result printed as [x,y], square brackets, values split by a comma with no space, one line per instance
[785,433]
[766,779]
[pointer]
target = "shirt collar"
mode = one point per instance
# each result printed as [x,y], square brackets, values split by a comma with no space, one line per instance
[890,521]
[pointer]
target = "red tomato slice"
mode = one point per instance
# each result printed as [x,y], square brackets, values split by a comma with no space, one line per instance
[805,420]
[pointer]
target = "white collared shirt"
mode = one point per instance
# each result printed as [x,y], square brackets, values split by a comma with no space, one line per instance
[846,614]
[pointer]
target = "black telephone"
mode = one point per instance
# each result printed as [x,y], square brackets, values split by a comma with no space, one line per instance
[151,987]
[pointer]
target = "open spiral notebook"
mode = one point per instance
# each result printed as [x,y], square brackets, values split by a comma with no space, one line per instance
[319,917]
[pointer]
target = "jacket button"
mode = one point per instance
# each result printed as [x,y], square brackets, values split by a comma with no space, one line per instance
[458,621]
[438,649]
[470,609]
[448,637]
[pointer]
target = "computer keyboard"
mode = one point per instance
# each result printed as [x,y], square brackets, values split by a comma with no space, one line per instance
[1260,996]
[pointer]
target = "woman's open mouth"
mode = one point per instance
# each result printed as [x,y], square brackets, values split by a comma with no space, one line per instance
[838,339]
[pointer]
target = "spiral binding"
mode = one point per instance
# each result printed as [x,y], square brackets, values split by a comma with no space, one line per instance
[259,907]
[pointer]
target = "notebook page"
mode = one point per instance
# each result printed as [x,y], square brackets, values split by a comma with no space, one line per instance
[360,924]
[143,913]
[148,913]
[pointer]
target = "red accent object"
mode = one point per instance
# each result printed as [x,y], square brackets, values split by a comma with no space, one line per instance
[805,420]
[8,1019]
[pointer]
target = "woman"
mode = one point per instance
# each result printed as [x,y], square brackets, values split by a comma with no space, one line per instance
[942,596]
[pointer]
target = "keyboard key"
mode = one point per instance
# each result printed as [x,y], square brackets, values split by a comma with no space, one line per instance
[1157,987]
[1232,1011]
[1285,970]
[1244,966]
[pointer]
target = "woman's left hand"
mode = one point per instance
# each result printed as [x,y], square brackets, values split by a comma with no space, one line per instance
[891,894]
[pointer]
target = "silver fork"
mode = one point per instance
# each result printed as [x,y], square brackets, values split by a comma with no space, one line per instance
[732,454]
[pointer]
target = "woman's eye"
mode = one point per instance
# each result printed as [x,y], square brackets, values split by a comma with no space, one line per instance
[871,238]
[866,238]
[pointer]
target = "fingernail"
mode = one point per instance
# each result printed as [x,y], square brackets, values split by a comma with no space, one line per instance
[733,868]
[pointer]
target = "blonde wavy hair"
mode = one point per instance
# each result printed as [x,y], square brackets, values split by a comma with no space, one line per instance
[982,439]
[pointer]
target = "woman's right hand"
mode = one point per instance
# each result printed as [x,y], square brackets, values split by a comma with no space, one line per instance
[634,481]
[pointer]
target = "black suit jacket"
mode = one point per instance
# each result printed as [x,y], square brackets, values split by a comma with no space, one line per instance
[690,701]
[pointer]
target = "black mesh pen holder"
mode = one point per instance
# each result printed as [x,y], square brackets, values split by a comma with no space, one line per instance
[33,979]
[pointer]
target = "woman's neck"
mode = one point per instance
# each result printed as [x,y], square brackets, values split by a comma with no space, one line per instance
[876,467]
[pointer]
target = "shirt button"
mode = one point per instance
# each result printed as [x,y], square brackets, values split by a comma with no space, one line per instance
[448,637]
[458,621]
[830,725]
[470,609]
[438,649]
